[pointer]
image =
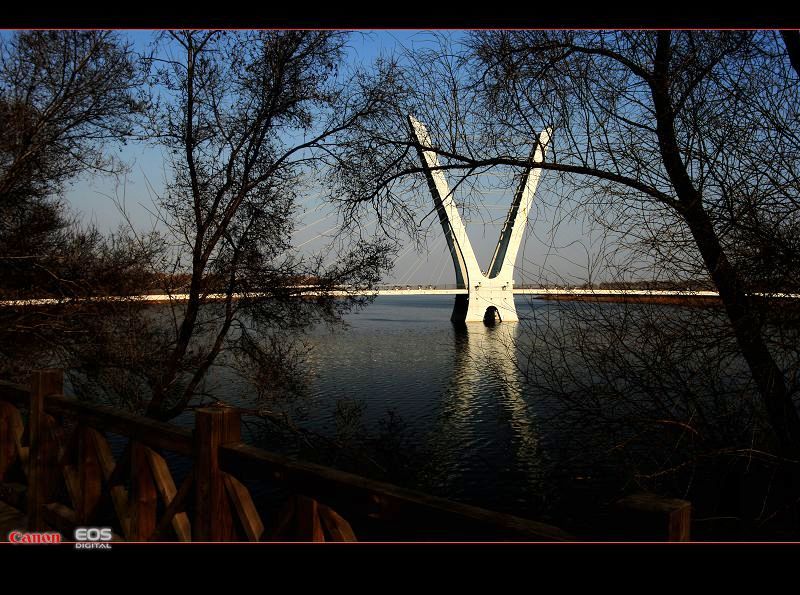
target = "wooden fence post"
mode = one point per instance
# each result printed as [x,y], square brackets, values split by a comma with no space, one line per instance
[42,465]
[214,427]
[11,431]
[144,499]
[646,516]
[89,474]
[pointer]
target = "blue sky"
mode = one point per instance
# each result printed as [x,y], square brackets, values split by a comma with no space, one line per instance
[96,200]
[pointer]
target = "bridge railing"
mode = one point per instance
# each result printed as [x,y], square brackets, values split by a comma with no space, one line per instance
[58,465]
[418,286]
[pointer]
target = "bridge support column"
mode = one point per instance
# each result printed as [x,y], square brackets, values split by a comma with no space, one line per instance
[474,307]
[490,294]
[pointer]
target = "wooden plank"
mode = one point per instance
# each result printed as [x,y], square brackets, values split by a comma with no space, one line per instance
[285,520]
[89,475]
[334,525]
[364,496]
[43,383]
[73,483]
[166,487]
[11,430]
[110,468]
[214,426]
[67,448]
[653,517]
[154,434]
[67,457]
[52,433]
[103,450]
[144,499]
[309,526]
[14,431]
[177,505]
[60,517]
[245,508]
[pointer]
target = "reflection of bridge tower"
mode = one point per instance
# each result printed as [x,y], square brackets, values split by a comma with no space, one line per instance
[493,289]
[487,356]
[486,440]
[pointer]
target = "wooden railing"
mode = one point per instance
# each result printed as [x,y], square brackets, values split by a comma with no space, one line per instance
[59,467]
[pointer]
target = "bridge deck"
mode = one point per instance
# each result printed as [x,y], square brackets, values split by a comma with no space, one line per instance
[563,293]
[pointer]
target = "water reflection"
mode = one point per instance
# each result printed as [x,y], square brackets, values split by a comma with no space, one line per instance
[471,419]
[486,442]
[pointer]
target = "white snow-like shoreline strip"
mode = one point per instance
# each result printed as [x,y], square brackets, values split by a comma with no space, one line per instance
[183,297]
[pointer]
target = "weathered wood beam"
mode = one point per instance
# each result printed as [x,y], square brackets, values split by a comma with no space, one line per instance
[245,508]
[646,516]
[42,456]
[154,434]
[214,427]
[89,475]
[113,471]
[366,497]
[335,526]
[144,499]
[177,505]
[166,487]
[11,430]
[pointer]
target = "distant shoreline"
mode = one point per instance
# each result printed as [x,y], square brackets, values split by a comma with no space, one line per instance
[666,297]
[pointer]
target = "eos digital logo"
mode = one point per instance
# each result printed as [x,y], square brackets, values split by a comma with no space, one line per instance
[92,538]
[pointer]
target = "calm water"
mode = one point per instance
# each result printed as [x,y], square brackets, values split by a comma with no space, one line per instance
[463,403]
[446,409]
[457,390]
[471,428]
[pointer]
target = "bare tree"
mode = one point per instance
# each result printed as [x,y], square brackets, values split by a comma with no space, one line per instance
[688,140]
[63,96]
[66,99]
[245,119]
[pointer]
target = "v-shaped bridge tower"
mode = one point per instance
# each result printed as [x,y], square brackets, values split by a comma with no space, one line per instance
[490,293]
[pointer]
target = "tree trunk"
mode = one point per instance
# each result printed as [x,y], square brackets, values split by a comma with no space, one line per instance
[780,408]
[157,407]
[792,41]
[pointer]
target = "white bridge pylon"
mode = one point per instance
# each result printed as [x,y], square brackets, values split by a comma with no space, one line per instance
[495,288]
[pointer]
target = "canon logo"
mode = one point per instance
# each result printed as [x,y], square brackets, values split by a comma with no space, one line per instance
[34,538]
